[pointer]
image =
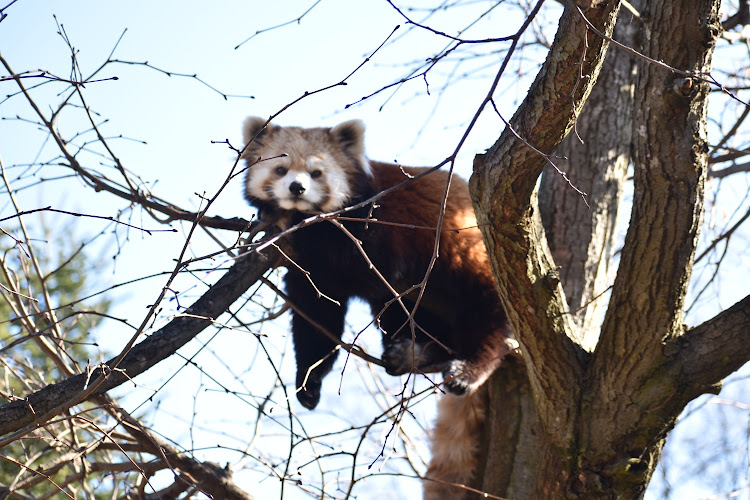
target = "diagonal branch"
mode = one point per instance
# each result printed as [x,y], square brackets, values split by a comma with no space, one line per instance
[646,308]
[711,351]
[210,478]
[52,400]
[669,172]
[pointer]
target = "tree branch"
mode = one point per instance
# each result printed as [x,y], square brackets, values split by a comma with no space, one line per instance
[734,169]
[583,239]
[100,183]
[741,17]
[52,400]
[646,307]
[209,478]
[707,353]
[670,165]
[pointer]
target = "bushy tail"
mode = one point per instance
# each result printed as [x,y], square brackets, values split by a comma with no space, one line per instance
[454,445]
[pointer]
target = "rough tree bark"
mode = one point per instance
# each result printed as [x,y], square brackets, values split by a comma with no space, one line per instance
[581,241]
[504,199]
[595,157]
[580,422]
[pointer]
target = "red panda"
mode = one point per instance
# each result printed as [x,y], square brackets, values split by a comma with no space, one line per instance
[454,445]
[460,328]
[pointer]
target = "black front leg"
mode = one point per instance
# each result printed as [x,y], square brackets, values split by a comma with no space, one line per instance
[314,351]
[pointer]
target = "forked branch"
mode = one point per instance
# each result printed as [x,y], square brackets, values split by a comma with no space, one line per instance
[503,189]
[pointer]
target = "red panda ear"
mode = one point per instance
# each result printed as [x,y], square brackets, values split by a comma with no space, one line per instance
[253,129]
[351,138]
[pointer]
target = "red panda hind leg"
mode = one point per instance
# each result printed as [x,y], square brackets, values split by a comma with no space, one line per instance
[403,356]
[454,445]
[462,374]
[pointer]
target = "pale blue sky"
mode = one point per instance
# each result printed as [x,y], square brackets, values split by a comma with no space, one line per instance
[179,117]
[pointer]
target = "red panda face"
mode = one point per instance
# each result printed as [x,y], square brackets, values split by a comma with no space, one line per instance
[311,184]
[307,170]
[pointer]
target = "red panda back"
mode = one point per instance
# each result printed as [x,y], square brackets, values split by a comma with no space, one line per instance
[419,203]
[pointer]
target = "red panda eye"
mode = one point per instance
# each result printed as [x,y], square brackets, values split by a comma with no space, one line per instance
[280,171]
[316,173]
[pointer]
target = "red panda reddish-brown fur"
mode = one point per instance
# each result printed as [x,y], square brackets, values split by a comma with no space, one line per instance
[461,328]
[454,446]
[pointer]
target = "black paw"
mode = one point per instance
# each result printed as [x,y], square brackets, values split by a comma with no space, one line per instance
[404,356]
[308,394]
[398,357]
[458,378]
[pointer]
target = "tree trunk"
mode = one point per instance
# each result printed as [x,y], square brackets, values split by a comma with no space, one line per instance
[595,157]
[567,422]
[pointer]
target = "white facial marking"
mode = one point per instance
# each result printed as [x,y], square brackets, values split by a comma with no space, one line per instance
[296,191]
[301,178]
[261,177]
[339,189]
[315,162]
[309,179]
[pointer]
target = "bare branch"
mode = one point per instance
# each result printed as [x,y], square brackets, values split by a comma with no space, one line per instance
[723,236]
[207,477]
[75,214]
[3,15]
[734,169]
[445,35]
[297,20]
[54,399]
[741,17]
[183,75]
[99,183]
[707,353]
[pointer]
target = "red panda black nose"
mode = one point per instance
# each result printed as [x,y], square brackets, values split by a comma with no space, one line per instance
[296,188]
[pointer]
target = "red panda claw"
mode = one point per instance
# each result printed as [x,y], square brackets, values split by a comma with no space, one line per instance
[459,378]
